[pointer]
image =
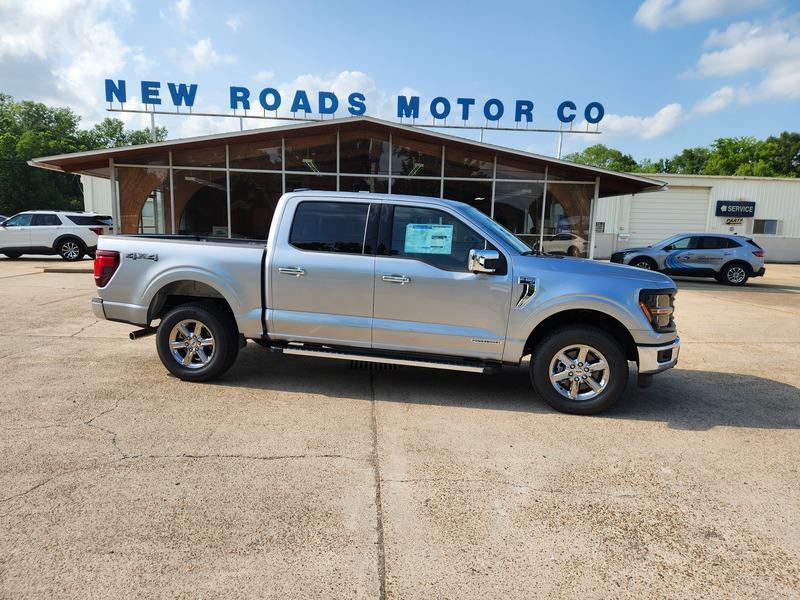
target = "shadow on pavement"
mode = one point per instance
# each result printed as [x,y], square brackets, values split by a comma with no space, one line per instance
[684,399]
[753,285]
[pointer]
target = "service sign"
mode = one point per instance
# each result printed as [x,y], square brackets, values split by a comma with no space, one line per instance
[326,103]
[727,208]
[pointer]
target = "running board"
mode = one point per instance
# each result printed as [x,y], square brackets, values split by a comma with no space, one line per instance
[408,362]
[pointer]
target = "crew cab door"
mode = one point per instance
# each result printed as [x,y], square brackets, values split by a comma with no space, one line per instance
[426,299]
[16,232]
[321,272]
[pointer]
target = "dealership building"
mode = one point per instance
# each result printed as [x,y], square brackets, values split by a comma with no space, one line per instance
[228,185]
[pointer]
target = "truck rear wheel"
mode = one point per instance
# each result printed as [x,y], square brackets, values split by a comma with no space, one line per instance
[197,342]
[579,370]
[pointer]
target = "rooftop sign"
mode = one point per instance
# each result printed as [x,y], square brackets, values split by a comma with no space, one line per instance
[326,103]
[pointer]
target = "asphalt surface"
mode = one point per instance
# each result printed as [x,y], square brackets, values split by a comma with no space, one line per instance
[294,477]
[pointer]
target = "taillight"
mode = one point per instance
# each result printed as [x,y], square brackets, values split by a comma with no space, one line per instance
[105,264]
[758,253]
[96,230]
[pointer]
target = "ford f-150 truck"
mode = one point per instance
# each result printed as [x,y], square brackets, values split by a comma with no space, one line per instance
[408,280]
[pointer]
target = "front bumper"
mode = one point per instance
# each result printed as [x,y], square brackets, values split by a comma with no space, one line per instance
[654,359]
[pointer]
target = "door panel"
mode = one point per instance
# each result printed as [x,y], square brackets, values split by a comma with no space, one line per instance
[425,298]
[17,232]
[439,312]
[323,295]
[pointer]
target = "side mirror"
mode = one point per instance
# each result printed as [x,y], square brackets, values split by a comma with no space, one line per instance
[479,259]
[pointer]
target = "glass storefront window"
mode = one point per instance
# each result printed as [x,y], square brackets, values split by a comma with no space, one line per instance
[311,153]
[253,200]
[310,182]
[144,200]
[416,187]
[462,163]
[212,156]
[364,152]
[508,168]
[474,193]
[411,157]
[566,219]
[364,184]
[518,208]
[264,155]
[201,202]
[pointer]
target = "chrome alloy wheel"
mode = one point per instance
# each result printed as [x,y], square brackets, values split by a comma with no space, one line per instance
[191,344]
[736,274]
[579,372]
[70,250]
[643,264]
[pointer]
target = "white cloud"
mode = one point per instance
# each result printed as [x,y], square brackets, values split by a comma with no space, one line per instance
[263,77]
[183,9]
[646,128]
[57,52]
[201,55]
[715,101]
[771,52]
[654,14]
[234,22]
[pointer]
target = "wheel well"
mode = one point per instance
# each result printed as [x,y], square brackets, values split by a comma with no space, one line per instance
[643,257]
[738,261]
[593,318]
[180,292]
[68,236]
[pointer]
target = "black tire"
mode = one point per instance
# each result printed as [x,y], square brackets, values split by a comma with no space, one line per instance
[607,347]
[573,251]
[643,262]
[735,274]
[70,249]
[215,321]
[13,255]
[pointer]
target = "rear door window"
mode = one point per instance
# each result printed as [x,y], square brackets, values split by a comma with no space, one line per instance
[89,220]
[330,227]
[43,220]
[713,243]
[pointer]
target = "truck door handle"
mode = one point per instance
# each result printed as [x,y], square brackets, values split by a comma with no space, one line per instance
[291,271]
[401,279]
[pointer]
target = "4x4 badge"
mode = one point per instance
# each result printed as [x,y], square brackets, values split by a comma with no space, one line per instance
[142,255]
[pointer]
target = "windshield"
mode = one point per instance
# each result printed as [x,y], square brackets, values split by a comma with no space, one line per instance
[497,229]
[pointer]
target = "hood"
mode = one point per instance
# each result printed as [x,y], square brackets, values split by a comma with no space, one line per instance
[591,268]
[635,249]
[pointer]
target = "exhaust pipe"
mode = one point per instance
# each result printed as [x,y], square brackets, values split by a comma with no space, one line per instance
[140,333]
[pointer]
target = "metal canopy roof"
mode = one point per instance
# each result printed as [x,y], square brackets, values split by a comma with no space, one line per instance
[612,183]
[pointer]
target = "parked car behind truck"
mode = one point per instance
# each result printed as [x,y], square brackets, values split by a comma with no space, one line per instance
[730,259]
[415,281]
[69,234]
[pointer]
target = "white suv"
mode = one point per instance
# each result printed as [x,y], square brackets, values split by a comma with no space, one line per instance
[71,235]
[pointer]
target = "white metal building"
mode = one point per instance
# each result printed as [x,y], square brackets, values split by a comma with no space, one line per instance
[692,203]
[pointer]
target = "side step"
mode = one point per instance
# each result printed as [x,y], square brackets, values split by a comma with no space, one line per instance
[374,358]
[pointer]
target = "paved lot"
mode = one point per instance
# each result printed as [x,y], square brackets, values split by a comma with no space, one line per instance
[306,478]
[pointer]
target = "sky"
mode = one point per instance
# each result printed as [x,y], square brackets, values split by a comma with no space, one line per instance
[670,74]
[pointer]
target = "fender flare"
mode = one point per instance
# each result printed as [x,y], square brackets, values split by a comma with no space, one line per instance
[197,274]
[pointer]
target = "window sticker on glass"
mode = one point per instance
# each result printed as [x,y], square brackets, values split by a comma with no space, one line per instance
[423,238]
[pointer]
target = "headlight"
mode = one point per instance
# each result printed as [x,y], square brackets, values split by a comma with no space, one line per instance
[659,308]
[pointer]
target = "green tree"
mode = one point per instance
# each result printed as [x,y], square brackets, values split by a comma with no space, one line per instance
[690,161]
[740,156]
[31,129]
[785,154]
[602,156]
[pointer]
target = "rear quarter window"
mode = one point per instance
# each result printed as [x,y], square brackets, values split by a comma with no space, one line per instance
[89,220]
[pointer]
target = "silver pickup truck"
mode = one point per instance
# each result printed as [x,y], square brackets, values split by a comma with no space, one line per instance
[392,279]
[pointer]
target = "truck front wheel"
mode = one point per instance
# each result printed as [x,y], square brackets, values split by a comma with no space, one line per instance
[580,370]
[197,342]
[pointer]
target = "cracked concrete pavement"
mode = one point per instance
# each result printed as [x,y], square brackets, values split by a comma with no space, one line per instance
[296,477]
